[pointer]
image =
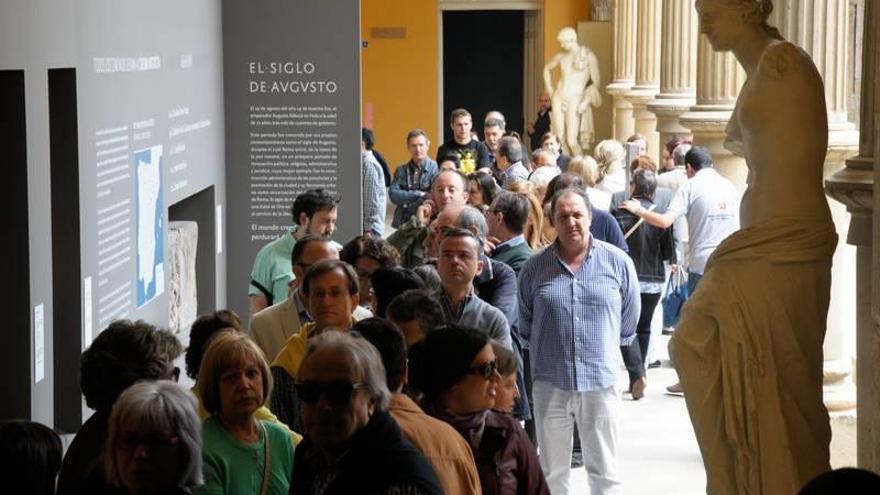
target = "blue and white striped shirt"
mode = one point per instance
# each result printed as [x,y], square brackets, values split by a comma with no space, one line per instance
[575,323]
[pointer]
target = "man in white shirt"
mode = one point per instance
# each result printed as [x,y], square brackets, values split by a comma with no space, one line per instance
[711,204]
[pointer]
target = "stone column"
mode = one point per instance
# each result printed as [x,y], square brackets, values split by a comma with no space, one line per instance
[647,72]
[856,186]
[719,79]
[678,69]
[624,67]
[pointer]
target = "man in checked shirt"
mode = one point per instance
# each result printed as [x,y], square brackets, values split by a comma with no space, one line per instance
[578,303]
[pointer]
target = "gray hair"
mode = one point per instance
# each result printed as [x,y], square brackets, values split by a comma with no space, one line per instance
[510,148]
[161,406]
[679,152]
[543,152]
[495,122]
[495,114]
[364,356]
[471,216]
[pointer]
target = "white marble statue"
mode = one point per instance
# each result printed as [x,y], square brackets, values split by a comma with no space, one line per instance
[748,348]
[571,115]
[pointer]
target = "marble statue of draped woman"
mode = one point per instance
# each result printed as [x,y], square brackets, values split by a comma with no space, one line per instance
[748,348]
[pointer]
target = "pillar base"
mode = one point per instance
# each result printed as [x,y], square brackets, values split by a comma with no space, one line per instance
[709,125]
[645,121]
[624,124]
[669,109]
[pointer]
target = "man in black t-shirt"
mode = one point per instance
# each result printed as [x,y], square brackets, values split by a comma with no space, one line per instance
[471,153]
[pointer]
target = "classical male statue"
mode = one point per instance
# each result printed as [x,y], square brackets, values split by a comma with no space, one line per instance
[748,348]
[571,117]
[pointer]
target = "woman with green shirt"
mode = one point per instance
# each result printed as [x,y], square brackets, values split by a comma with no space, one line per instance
[241,454]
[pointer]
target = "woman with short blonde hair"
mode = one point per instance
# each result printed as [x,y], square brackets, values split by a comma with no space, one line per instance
[240,451]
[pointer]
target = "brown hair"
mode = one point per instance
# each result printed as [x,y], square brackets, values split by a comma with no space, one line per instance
[226,351]
[535,223]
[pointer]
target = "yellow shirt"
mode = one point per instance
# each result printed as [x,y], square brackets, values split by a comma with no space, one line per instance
[291,355]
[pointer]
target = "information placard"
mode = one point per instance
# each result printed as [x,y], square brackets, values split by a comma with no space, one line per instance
[292,93]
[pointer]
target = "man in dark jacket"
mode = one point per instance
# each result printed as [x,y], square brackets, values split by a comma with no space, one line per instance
[351,444]
[507,217]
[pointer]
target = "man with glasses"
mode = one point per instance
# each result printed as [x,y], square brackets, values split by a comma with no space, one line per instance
[314,212]
[578,303]
[271,327]
[352,445]
[330,287]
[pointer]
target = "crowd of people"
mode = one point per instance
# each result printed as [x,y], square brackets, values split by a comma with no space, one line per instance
[442,357]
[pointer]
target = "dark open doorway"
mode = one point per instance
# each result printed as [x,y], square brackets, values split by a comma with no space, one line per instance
[483,65]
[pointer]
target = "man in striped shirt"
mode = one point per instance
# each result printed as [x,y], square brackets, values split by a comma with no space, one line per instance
[578,303]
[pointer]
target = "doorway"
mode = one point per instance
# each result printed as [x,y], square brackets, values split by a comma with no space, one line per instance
[483,66]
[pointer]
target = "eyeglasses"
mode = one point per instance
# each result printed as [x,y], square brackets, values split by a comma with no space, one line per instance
[129,441]
[486,370]
[337,393]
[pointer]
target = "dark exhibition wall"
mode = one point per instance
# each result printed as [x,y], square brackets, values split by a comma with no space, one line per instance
[131,191]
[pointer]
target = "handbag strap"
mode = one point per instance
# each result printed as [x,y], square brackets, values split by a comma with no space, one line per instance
[264,485]
[634,227]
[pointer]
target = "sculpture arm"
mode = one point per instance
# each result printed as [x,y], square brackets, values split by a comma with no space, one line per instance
[548,73]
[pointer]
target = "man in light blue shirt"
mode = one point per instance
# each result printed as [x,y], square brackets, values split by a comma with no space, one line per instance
[578,303]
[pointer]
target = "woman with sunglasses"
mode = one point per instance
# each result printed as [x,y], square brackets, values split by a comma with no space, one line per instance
[241,454]
[154,440]
[455,370]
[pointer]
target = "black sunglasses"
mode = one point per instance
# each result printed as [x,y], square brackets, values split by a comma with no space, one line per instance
[486,370]
[337,393]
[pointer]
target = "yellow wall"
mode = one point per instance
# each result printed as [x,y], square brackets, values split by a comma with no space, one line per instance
[399,76]
[557,15]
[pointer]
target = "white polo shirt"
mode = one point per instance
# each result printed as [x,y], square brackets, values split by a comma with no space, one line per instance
[711,203]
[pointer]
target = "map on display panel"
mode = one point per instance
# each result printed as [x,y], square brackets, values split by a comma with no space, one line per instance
[150,220]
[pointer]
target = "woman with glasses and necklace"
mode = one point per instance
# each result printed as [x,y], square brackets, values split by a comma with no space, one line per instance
[455,370]
[241,454]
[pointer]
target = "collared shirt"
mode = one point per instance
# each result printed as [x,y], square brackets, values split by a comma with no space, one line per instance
[513,241]
[374,195]
[576,322]
[711,204]
[475,313]
[516,171]
[301,309]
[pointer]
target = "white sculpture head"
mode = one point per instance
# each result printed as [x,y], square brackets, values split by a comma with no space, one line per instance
[568,39]
[724,21]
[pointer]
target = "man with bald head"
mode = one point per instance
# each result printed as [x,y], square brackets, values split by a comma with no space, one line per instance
[450,187]
[271,327]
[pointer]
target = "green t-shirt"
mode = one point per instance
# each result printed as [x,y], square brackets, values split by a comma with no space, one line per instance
[272,268]
[232,468]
